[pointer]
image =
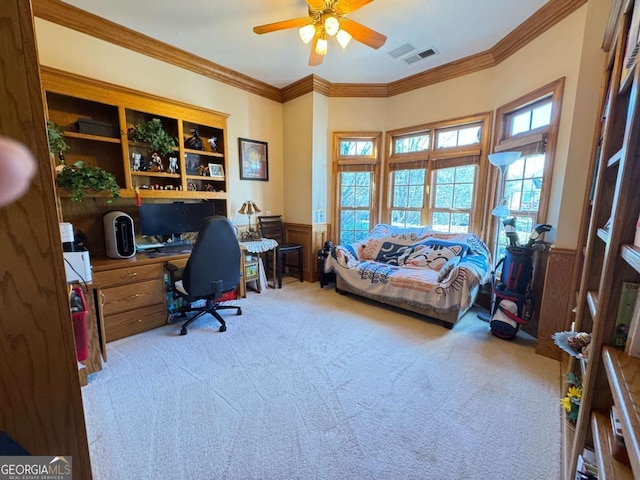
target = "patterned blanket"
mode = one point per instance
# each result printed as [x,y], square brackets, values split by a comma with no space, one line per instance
[420,266]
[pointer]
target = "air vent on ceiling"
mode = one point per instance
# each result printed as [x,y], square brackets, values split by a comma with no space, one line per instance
[419,56]
[402,50]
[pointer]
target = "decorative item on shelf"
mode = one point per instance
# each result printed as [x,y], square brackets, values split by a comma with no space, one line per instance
[203,171]
[192,164]
[192,187]
[194,142]
[576,344]
[79,178]
[57,144]
[571,401]
[137,162]
[173,164]
[212,143]
[216,171]
[156,163]
[249,208]
[155,135]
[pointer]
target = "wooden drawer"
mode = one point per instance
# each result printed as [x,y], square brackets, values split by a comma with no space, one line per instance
[135,321]
[121,276]
[129,297]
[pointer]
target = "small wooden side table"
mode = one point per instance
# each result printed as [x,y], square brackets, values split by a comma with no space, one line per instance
[257,247]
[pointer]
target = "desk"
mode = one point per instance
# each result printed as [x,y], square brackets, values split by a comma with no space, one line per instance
[259,247]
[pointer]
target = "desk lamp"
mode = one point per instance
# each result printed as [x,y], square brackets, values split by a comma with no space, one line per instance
[249,208]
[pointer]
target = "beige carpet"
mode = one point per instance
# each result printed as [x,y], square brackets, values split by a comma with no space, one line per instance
[308,384]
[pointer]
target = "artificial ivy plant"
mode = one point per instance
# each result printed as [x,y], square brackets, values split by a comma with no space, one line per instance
[79,178]
[57,144]
[155,135]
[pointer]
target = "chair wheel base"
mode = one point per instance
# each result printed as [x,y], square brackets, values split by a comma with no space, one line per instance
[223,328]
[239,312]
[183,331]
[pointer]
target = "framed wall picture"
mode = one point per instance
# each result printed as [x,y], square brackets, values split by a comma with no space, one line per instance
[254,159]
[216,171]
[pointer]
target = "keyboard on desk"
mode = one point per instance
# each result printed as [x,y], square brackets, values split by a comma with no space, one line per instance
[169,250]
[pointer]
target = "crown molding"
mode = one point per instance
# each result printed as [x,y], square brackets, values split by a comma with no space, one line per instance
[74,18]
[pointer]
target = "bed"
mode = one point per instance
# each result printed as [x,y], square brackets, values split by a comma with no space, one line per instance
[422,270]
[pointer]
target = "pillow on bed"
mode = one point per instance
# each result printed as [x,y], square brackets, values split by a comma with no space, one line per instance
[447,267]
[429,256]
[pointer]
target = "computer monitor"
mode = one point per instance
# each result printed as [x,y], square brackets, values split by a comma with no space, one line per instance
[173,219]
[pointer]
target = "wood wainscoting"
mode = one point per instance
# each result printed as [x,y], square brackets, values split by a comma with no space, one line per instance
[312,238]
[555,300]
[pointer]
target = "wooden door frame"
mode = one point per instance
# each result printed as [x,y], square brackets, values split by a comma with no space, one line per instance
[40,399]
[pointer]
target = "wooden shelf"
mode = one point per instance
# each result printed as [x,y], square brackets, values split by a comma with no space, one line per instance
[627,78]
[631,254]
[623,373]
[204,152]
[608,467]
[155,174]
[592,301]
[615,158]
[95,138]
[603,235]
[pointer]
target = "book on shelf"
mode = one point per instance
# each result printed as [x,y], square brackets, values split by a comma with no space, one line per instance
[625,311]
[632,347]
[618,448]
[587,467]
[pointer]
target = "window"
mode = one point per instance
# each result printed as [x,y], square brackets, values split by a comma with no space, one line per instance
[356,160]
[527,125]
[436,185]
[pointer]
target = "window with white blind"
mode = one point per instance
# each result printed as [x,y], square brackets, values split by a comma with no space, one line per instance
[356,165]
[435,183]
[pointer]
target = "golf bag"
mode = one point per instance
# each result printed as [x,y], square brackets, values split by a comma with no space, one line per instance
[513,299]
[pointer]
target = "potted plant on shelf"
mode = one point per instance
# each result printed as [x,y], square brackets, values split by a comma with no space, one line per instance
[571,402]
[57,144]
[155,135]
[80,178]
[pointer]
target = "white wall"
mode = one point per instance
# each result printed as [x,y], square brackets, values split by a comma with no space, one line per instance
[251,116]
[298,168]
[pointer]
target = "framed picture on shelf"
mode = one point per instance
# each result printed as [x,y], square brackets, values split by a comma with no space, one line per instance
[192,162]
[216,171]
[254,159]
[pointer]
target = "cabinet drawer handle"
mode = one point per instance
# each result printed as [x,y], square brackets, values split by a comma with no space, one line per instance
[133,274]
[134,296]
[140,320]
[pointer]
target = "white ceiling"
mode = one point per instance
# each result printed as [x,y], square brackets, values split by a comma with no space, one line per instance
[221,31]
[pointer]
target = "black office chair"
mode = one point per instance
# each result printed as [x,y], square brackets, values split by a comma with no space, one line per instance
[213,269]
[271,226]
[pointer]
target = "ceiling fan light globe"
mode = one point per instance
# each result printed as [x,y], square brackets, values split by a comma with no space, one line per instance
[331,25]
[321,46]
[343,38]
[307,33]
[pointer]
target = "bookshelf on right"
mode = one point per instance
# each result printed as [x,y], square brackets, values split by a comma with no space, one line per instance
[610,261]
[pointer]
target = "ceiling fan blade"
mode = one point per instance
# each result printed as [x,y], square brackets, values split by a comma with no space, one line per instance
[345,7]
[315,59]
[283,25]
[363,34]
[316,4]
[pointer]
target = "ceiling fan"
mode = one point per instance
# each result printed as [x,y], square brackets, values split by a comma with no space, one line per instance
[327,18]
